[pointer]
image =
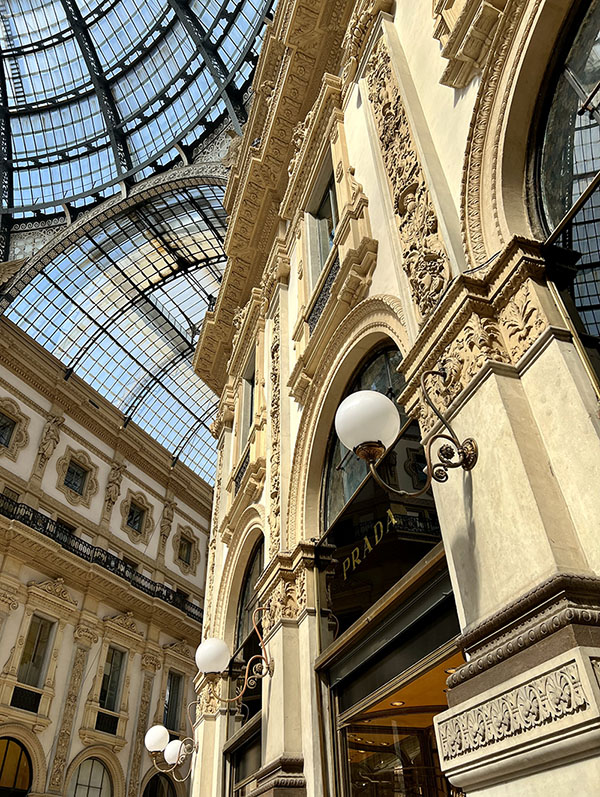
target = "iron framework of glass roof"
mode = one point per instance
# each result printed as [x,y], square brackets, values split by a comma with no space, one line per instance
[119,302]
[98,93]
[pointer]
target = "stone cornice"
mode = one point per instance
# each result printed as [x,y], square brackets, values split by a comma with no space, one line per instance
[303,42]
[36,367]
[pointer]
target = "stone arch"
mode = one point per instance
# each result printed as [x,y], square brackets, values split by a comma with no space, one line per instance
[372,321]
[110,761]
[36,753]
[248,531]
[494,202]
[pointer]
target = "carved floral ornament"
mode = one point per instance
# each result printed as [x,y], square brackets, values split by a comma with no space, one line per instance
[19,438]
[541,702]
[424,257]
[147,522]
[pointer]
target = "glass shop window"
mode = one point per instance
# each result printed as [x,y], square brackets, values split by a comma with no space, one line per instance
[173,700]
[376,537]
[568,160]
[135,517]
[247,644]
[111,679]
[159,786]
[34,659]
[184,553]
[7,427]
[15,768]
[75,477]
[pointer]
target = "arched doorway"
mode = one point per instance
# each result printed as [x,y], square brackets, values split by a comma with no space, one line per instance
[91,779]
[15,768]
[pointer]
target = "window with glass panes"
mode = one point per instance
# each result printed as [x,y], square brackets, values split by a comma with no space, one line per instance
[35,652]
[75,477]
[185,550]
[173,698]
[111,679]
[91,780]
[7,427]
[15,768]
[135,517]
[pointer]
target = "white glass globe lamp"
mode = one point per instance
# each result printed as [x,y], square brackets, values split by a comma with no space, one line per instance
[156,739]
[367,422]
[174,752]
[212,656]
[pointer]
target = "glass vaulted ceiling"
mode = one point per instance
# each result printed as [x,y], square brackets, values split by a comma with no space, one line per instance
[120,303]
[96,92]
[95,96]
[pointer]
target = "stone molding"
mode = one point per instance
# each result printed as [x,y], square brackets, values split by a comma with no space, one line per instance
[19,438]
[424,257]
[90,487]
[274,518]
[465,29]
[133,788]
[143,536]
[562,600]
[357,35]
[186,532]
[537,702]
[285,772]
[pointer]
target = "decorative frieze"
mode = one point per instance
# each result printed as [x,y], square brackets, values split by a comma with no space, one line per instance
[522,322]
[542,701]
[133,789]
[424,257]
[362,20]
[285,599]
[66,725]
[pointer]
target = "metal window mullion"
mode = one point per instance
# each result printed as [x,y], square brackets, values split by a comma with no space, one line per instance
[101,86]
[6,172]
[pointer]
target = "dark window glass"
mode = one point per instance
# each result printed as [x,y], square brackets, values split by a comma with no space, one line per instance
[159,786]
[249,598]
[10,493]
[35,649]
[570,157]
[7,427]
[75,478]
[245,762]
[172,713]
[90,780]
[15,767]
[327,219]
[111,680]
[135,517]
[185,550]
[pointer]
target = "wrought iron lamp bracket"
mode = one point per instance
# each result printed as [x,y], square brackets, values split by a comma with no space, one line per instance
[188,748]
[452,453]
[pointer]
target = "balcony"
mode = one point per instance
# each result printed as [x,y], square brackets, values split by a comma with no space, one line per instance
[91,553]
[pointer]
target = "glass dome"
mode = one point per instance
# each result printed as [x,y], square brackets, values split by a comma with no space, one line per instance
[96,93]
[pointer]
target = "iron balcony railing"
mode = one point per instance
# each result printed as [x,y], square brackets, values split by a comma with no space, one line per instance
[92,553]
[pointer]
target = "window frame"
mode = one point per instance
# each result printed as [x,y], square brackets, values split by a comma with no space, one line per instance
[121,674]
[180,700]
[46,654]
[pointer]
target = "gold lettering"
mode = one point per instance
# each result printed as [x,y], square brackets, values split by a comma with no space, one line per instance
[355,558]
[346,566]
[391,520]
[368,547]
[378,529]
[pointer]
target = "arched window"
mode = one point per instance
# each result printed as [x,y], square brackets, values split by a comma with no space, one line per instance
[373,536]
[90,780]
[15,768]
[159,786]
[569,160]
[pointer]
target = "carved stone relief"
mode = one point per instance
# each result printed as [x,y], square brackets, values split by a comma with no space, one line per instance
[49,441]
[19,438]
[147,525]
[522,322]
[424,257]
[186,533]
[138,744]
[66,726]
[540,702]
[166,522]
[113,486]
[275,456]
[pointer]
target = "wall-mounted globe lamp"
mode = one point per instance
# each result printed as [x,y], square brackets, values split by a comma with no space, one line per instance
[212,658]
[368,423]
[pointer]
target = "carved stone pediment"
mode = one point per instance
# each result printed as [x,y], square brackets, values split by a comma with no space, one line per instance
[53,588]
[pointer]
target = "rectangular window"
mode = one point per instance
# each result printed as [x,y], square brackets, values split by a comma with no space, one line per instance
[135,517]
[75,478]
[327,219]
[172,715]
[7,427]
[35,650]
[185,550]
[248,385]
[111,680]
[68,528]
[10,493]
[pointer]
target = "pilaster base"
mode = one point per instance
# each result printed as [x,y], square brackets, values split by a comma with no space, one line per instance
[283,777]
